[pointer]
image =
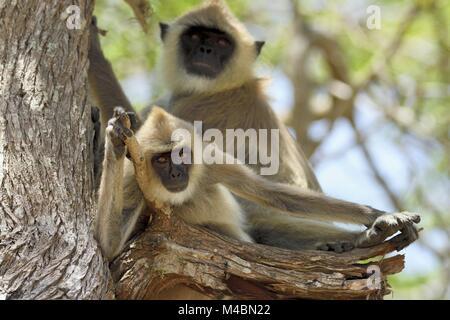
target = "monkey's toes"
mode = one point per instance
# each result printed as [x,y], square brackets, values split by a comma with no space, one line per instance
[135,123]
[338,247]
[122,118]
[118,130]
[414,217]
[388,225]
[118,112]
[408,235]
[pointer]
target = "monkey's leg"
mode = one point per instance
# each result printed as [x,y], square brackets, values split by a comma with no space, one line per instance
[297,233]
[114,225]
[104,87]
[233,231]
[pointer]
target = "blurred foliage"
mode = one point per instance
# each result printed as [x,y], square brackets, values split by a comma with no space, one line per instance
[411,89]
[128,48]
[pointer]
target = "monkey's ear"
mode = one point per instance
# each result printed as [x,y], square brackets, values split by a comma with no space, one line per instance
[258,46]
[164,27]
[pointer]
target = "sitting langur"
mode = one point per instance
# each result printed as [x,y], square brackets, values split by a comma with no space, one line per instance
[208,58]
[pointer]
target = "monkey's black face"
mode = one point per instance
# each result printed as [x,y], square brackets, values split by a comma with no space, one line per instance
[174,177]
[206,51]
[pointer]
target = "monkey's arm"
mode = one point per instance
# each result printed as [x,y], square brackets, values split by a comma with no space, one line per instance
[104,87]
[302,202]
[114,224]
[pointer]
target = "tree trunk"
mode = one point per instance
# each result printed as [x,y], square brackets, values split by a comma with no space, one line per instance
[47,204]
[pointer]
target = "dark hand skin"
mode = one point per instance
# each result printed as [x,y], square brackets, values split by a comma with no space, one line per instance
[119,129]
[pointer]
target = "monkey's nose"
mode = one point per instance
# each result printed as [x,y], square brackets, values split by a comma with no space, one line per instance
[205,49]
[175,174]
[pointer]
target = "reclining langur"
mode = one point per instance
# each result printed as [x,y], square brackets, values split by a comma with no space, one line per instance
[208,58]
[198,193]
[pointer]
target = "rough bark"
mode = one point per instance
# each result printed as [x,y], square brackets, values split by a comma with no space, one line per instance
[171,252]
[47,250]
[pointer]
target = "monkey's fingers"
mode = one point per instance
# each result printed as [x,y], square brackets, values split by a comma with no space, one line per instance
[408,236]
[118,111]
[122,117]
[135,123]
[118,128]
[388,225]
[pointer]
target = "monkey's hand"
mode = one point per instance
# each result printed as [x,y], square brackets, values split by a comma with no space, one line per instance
[389,224]
[119,130]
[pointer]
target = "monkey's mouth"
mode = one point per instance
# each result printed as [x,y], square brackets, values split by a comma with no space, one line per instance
[202,68]
[176,188]
[204,65]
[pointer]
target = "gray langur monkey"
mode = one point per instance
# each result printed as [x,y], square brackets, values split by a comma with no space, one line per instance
[208,57]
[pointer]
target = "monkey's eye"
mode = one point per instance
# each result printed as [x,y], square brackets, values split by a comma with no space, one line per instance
[195,36]
[161,159]
[223,42]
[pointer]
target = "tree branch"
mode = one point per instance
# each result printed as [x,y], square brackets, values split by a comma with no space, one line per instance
[142,11]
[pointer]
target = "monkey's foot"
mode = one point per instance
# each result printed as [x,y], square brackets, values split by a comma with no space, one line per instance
[388,225]
[338,246]
[118,130]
